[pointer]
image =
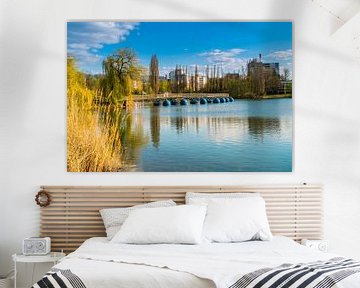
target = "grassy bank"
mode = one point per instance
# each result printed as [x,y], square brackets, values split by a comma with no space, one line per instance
[278,96]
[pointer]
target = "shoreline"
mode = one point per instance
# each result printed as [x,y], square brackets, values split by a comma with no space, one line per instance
[267,97]
[277,96]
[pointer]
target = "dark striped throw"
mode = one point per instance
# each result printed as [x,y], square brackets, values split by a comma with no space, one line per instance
[320,274]
[58,278]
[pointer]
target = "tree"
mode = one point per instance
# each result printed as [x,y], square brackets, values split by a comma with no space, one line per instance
[258,81]
[286,75]
[154,74]
[163,86]
[272,82]
[120,70]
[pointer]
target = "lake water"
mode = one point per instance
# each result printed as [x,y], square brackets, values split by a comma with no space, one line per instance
[240,136]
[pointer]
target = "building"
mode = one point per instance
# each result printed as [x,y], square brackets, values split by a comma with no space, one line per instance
[257,65]
[272,67]
[202,81]
[232,76]
[196,82]
[182,80]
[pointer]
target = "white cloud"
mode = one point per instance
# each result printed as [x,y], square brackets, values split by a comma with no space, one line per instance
[281,55]
[229,59]
[86,38]
[165,70]
[222,53]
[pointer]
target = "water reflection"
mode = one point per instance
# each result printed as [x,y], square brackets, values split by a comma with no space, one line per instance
[179,123]
[155,126]
[129,130]
[258,127]
[134,140]
[240,136]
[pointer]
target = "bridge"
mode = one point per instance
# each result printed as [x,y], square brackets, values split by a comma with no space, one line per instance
[178,96]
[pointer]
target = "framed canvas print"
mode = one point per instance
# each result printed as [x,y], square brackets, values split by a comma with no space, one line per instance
[179,96]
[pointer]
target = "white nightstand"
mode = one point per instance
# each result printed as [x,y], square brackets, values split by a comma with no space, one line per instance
[320,245]
[53,257]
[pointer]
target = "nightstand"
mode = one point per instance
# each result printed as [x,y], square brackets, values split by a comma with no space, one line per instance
[320,245]
[52,257]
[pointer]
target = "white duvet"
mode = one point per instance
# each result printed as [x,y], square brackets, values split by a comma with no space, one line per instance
[100,263]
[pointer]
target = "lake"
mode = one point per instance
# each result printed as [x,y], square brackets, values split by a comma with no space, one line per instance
[240,136]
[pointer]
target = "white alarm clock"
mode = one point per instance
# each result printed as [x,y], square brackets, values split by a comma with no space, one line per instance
[320,245]
[36,246]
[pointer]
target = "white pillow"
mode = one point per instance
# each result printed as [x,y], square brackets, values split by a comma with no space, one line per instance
[173,225]
[113,218]
[236,220]
[204,198]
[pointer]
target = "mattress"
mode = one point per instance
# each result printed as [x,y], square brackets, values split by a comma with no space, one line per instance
[99,263]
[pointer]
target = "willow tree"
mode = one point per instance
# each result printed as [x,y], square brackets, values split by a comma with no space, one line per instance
[120,71]
[154,74]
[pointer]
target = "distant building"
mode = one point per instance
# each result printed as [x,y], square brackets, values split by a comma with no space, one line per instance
[256,65]
[232,76]
[272,67]
[196,82]
[172,75]
[181,80]
[202,81]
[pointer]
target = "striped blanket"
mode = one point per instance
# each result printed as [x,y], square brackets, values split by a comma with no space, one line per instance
[320,274]
[59,278]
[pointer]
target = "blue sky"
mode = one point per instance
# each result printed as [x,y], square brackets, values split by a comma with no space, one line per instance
[228,44]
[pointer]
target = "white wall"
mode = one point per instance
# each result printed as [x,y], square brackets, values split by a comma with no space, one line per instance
[32,120]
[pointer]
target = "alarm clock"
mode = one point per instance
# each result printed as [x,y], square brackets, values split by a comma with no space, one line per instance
[320,245]
[36,246]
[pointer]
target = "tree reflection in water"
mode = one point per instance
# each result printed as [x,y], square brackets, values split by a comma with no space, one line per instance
[258,127]
[131,132]
[155,126]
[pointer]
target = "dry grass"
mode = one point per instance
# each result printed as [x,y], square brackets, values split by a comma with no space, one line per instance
[93,145]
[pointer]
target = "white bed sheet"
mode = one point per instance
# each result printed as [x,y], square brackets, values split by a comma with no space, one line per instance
[100,263]
[101,274]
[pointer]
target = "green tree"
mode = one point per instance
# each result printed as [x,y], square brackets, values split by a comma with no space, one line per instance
[154,74]
[163,87]
[120,70]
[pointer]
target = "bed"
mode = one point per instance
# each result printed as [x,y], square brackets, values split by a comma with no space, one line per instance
[294,211]
[99,263]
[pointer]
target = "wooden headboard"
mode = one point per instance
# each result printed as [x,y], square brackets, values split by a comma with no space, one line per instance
[73,214]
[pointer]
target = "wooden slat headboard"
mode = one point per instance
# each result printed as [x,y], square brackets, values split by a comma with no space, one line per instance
[73,215]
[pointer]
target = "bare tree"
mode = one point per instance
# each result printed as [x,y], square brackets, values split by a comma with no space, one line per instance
[286,75]
[196,79]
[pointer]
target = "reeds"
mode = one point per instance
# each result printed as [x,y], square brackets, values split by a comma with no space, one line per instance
[93,142]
